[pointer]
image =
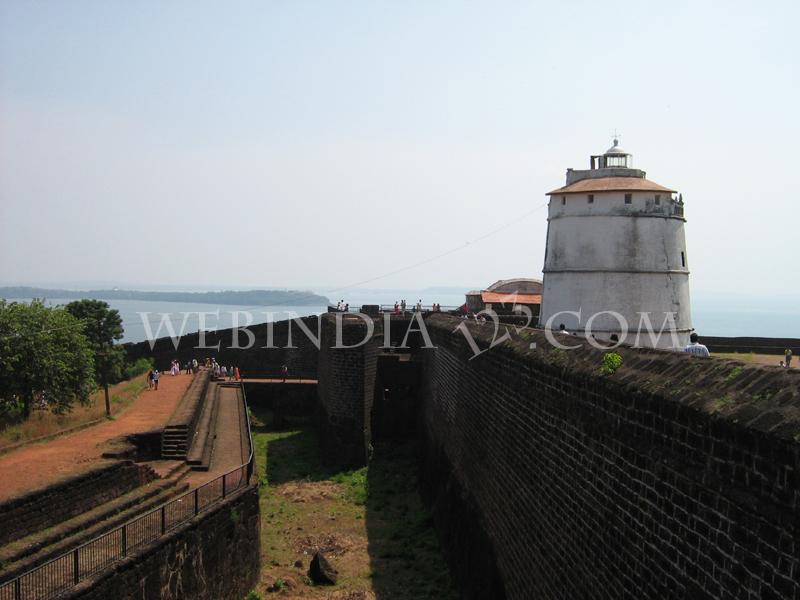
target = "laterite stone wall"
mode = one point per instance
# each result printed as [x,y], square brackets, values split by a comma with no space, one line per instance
[257,361]
[346,390]
[65,499]
[675,477]
[215,556]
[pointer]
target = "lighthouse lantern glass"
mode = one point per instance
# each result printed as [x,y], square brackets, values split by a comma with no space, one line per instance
[619,160]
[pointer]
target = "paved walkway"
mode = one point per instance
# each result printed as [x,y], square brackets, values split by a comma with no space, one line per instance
[231,448]
[38,465]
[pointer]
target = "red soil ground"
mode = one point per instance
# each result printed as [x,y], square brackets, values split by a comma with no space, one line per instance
[759,359]
[38,465]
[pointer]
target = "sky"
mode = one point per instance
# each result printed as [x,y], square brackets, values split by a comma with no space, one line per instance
[322,144]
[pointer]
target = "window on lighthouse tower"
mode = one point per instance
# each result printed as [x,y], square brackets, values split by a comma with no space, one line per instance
[620,160]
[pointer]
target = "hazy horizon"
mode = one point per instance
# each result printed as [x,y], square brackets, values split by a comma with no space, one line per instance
[395,145]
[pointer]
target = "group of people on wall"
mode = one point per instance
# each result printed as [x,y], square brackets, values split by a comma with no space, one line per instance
[221,372]
[218,371]
[400,307]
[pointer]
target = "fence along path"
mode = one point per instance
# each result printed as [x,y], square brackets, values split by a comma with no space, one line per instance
[57,576]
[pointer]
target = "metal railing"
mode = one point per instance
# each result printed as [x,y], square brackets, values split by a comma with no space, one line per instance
[389,308]
[61,574]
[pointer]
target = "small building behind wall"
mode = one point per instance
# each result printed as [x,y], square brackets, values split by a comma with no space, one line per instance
[504,294]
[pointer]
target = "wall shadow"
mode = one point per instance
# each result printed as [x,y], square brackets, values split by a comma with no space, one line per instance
[292,452]
[406,560]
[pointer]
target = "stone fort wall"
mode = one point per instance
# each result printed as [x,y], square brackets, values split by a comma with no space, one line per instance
[47,507]
[257,361]
[215,556]
[346,390]
[675,477]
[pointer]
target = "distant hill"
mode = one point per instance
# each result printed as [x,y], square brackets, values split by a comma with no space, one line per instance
[246,298]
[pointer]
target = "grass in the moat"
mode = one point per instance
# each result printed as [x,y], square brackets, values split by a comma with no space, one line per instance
[370,522]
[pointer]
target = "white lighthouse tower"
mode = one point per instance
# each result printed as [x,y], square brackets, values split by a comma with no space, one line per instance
[616,249]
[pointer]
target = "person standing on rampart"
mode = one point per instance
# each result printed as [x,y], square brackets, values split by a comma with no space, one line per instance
[695,347]
[788,358]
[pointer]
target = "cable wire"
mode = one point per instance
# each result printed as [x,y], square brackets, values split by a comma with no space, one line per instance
[426,261]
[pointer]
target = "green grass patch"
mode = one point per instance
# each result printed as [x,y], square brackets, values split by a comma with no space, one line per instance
[379,503]
[734,373]
[355,483]
[722,403]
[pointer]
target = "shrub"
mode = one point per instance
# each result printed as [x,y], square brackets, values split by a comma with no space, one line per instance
[142,365]
[611,362]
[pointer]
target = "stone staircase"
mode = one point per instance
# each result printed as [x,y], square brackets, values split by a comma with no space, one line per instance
[175,442]
[179,433]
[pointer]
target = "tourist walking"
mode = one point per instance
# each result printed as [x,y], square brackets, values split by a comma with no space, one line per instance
[156,375]
[695,347]
[788,357]
[150,379]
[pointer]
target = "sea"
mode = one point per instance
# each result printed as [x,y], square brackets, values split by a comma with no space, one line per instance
[714,314]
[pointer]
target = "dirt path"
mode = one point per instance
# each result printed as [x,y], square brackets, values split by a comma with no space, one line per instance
[38,465]
[759,359]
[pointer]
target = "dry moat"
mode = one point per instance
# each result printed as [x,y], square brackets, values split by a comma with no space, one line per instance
[369,522]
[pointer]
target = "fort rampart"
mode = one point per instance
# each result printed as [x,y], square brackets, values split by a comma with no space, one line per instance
[50,506]
[674,477]
[346,388]
[215,556]
[671,477]
[273,345]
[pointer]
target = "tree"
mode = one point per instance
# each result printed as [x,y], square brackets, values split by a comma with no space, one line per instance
[102,326]
[45,360]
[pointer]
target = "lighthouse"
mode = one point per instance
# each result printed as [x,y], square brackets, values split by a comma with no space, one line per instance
[615,264]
